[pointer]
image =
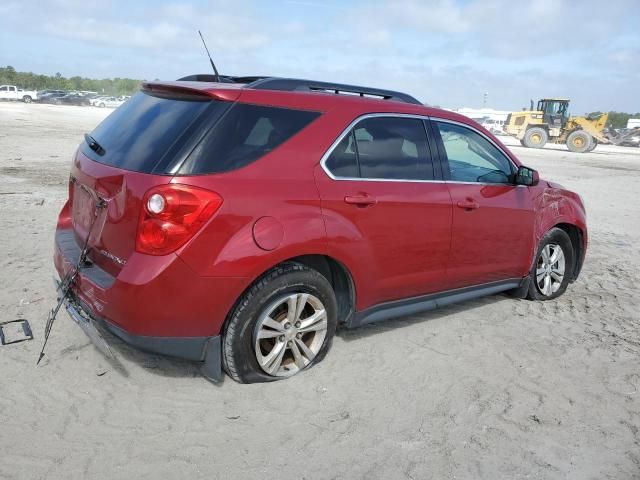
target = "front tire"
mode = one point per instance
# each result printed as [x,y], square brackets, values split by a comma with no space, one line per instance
[282,325]
[553,267]
[579,141]
[535,137]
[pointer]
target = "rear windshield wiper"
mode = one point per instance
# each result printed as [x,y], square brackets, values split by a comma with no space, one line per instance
[93,144]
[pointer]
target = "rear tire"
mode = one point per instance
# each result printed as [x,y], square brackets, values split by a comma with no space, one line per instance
[26,99]
[269,323]
[535,137]
[553,267]
[579,141]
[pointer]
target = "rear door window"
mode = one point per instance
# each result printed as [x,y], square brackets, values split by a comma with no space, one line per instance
[245,133]
[384,148]
[343,161]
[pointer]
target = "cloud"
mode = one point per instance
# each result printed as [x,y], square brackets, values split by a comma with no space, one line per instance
[447,52]
[170,26]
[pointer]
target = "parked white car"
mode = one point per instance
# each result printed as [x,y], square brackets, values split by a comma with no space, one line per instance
[112,102]
[11,92]
[494,126]
[96,100]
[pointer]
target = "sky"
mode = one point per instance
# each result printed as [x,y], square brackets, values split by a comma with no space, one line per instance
[444,52]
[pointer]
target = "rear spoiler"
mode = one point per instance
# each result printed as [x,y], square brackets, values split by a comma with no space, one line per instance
[192,90]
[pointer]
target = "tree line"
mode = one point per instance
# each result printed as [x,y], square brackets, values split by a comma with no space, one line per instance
[32,81]
[127,86]
[619,119]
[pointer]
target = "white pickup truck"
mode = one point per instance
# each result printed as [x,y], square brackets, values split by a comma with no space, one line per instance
[11,92]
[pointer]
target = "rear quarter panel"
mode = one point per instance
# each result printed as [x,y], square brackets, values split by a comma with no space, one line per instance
[281,186]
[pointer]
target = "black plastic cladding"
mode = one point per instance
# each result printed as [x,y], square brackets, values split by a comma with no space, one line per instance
[296,84]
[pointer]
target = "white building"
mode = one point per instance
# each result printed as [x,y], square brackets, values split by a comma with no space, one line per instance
[492,120]
[483,113]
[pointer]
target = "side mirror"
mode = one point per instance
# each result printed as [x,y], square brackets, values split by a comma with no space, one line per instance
[527,176]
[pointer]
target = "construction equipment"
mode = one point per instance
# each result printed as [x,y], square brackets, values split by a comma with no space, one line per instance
[551,122]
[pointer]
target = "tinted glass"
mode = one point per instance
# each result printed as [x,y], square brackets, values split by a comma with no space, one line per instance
[393,148]
[472,158]
[343,161]
[244,134]
[139,134]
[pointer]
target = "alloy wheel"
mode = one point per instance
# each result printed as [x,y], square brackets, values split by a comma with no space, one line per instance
[550,269]
[289,334]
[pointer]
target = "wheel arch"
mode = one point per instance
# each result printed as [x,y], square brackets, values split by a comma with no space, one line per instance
[576,235]
[544,126]
[334,271]
[578,241]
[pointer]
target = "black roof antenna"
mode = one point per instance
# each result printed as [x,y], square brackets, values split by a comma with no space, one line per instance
[213,65]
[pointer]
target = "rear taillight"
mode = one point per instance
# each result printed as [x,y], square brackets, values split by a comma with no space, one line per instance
[171,215]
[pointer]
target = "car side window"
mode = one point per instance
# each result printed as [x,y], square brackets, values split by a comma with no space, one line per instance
[473,158]
[244,134]
[383,148]
[343,161]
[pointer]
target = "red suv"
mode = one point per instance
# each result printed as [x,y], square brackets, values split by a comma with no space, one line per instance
[239,223]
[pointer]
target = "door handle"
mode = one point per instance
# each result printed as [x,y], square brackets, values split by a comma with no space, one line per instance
[359,200]
[469,204]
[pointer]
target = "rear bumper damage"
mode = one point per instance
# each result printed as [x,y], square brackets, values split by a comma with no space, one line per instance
[206,350]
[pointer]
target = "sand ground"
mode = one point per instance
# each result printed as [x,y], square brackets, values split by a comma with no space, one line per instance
[495,388]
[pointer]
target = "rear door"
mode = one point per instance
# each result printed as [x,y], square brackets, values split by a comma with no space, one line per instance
[386,214]
[493,219]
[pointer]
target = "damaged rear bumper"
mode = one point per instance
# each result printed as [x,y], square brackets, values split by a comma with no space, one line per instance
[199,349]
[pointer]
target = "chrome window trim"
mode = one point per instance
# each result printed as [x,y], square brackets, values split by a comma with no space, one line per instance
[347,130]
[366,116]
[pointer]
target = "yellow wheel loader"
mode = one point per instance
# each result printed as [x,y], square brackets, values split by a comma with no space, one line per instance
[551,122]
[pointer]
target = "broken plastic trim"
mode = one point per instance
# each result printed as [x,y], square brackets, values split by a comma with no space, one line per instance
[26,328]
[65,285]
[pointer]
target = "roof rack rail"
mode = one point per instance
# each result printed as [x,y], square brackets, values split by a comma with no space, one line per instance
[296,84]
[293,84]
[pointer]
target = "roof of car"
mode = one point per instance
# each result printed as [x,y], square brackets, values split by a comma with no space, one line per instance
[306,94]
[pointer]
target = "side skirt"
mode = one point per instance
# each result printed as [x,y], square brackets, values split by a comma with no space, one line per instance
[410,306]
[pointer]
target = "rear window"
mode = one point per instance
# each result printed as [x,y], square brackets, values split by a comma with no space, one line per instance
[245,133]
[146,129]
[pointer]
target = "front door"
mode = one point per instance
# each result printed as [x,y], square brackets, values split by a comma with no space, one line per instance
[388,220]
[493,219]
